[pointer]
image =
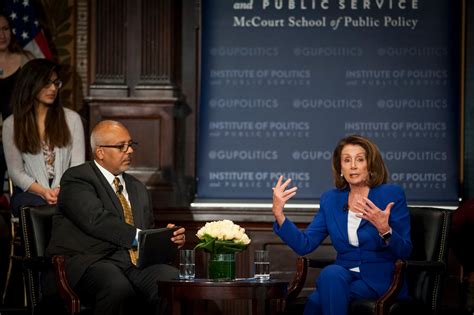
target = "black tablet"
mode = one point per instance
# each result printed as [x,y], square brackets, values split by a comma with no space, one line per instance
[155,247]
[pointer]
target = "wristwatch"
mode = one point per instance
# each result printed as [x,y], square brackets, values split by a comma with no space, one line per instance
[387,235]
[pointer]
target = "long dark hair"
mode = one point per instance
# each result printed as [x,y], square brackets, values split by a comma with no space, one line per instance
[378,173]
[33,77]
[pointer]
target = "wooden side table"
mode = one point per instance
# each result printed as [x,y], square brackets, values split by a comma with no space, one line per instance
[260,292]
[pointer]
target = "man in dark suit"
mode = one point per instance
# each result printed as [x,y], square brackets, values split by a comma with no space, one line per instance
[90,227]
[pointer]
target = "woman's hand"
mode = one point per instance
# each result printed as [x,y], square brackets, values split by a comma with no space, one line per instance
[280,197]
[50,195]
[367,210]
[178,236]
[56,190]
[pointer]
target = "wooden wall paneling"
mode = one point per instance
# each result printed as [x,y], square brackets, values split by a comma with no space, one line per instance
[135,48]
[190,28]
[159,49]
[134,38]
[109,37]
[133,67]
[158,42]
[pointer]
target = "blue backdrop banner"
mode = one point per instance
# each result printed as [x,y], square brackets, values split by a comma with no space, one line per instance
[282,81]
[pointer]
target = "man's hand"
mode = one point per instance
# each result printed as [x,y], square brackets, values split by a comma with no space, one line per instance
[178,236]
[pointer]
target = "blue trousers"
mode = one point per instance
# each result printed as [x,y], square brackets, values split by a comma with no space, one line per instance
[336,286]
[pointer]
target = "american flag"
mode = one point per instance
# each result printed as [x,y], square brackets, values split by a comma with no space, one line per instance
[26,27]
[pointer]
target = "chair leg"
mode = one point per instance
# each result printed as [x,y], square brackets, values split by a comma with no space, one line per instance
[25,297]
[10,263]
[14,241]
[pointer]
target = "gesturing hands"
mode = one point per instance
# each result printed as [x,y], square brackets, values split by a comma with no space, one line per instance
[280,197]
[367,210]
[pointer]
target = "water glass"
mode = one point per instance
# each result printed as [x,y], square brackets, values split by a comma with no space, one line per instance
[262,265]
[186,264]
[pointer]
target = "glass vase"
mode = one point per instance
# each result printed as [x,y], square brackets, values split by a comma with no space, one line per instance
[221,267]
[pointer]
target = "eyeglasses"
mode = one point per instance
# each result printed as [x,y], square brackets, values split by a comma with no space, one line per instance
[57,83]
[122,147]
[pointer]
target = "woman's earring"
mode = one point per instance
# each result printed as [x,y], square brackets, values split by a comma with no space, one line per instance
[341,174]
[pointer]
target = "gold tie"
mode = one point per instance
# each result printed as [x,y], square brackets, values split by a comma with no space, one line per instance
[127,213]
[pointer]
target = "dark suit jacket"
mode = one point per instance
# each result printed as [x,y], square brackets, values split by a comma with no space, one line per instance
[89,223]
[374,257]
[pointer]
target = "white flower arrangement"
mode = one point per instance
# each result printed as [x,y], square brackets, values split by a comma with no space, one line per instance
[222,237]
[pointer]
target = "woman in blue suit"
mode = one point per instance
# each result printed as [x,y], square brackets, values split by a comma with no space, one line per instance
[367,220]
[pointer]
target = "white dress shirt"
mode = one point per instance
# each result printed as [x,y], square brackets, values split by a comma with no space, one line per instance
[353,223]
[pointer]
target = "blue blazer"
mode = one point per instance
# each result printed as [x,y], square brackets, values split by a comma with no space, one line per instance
[374,257]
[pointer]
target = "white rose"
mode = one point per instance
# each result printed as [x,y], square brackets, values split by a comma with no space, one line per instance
[224,230]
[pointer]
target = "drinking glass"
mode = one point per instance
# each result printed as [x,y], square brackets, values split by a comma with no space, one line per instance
[186,264]
[262,265]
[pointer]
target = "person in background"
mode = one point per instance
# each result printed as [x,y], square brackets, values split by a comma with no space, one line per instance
[99,212]
[12,58]
[462,235]
[41,139]
[368,222]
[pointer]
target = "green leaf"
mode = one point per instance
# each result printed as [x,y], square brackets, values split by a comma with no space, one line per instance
[213,245]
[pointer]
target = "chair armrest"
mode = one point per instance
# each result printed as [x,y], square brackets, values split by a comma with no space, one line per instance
[298,281]
[68,295]
[389,297]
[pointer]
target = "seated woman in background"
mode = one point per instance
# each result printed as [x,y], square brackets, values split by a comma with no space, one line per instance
[12,58]
[367,220]
[41,139]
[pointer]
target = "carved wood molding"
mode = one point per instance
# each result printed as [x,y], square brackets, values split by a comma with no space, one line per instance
[134,47]
[82,43]
[158,43]
[109,36]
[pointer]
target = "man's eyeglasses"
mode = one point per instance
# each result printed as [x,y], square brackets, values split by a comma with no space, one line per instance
[57,83]
[122,147]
